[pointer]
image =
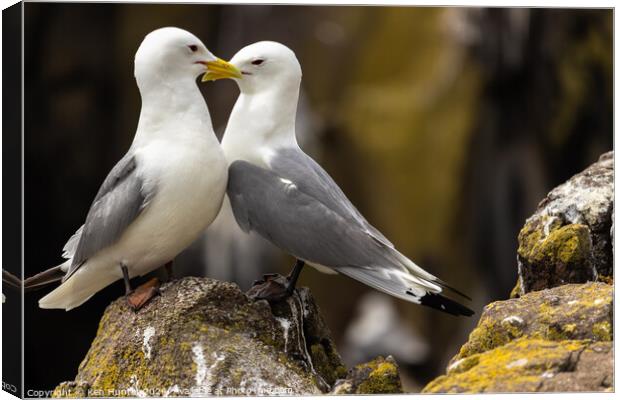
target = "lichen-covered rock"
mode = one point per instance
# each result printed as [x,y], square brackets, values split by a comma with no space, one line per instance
[555,333]
[204,337]
[538,342]
[301,322]
[568,239]
[575,311]
[531,365]
[379,376]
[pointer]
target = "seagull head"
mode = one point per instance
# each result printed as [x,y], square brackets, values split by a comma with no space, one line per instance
[172,54]
[263,66]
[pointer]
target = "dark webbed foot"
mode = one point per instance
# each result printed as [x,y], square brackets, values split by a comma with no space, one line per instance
[136,299]
[273,288]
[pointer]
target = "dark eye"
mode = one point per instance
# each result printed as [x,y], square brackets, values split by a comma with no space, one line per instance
[258,62]
[193,48]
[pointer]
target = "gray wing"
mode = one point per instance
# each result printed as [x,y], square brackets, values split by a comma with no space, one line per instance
[295,218]
[119,201]
[301,213]
[311,178]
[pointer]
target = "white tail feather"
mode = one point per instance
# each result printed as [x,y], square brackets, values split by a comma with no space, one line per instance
[76,290]
[417,271]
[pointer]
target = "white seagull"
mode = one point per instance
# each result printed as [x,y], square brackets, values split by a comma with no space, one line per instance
[164,192]
[278,191]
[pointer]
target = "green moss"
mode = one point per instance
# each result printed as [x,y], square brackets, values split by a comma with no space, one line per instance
[382,378]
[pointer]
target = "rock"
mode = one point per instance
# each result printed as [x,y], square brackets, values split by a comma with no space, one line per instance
[568,239]
[572,311]
[556,339]
[379,376]
[555,333]
[203,337]
[531,365]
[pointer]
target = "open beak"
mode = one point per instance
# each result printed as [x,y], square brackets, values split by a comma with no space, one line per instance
[220,69]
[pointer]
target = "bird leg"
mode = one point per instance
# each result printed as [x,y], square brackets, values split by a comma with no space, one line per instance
[142,294]
[275,287]
[169,272]
[293,276]
[128,289]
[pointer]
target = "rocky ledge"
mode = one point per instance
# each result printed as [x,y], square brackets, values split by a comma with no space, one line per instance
[556,332]
[205,337]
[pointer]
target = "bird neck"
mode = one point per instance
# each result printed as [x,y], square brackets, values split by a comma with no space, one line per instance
[169,105]
[260,120]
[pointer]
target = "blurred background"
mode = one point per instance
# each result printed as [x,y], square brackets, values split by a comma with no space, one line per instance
[444,126]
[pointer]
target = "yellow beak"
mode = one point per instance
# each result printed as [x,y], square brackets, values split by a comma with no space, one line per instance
[220,69]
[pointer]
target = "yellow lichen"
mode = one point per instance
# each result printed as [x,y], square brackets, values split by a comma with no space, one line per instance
[515,293]
[567,244]
[517,364]
[544,316]
[383,378]
[602,331]
[488,335]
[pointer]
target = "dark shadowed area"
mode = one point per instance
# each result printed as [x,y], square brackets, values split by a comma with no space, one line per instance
[444,126]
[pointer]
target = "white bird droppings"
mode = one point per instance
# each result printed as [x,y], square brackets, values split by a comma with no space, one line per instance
[204,379]
[547,224]
[518,363]
[146,346]
[286,326]
[570,303]
[547,374]
[598,301]
[201,365]
[455,364]
[513,320]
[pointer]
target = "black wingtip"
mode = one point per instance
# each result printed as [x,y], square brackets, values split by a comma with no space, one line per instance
[445,304]
[446,286]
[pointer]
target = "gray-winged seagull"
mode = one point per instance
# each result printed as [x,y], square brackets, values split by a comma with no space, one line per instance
[164,192]
[278,191]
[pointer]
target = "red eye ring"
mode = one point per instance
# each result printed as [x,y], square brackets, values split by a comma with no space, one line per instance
[193,48]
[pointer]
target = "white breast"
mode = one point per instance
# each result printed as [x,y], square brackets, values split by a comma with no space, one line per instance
[190,182]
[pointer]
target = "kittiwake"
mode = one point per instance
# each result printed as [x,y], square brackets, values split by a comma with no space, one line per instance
[278,191]
[164,192]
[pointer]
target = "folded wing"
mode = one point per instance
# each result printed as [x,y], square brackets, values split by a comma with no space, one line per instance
[120,200]
[299,208]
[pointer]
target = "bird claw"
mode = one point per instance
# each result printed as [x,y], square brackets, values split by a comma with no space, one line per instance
[272,287]
[266,278]
[138,297]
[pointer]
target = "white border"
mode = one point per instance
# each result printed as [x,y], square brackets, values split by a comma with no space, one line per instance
[479,3]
